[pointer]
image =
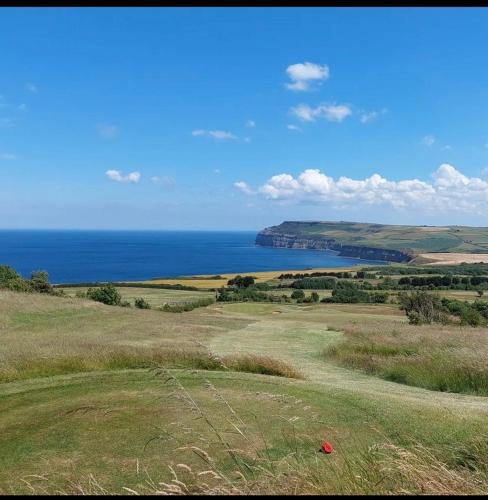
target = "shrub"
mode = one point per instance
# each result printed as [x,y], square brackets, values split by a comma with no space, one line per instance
[187,306]
[107,294]
[315,283]
[40,282]
[347,295]
[315,297]
[421,307]
[482,307]
[11,280]
[470,316]
[474,314]
[379,297]
[241,281]
[249,294]
[298,294]
[140,303]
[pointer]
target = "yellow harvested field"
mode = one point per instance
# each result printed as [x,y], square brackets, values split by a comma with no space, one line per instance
[205,281]
[451,258]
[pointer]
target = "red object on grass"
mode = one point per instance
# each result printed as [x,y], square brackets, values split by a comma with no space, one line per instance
[327,447]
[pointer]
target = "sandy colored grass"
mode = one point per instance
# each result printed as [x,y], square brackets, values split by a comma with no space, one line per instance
[451,258]
[39,327]
[262,277]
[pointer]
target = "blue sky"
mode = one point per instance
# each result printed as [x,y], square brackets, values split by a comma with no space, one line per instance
[220,118]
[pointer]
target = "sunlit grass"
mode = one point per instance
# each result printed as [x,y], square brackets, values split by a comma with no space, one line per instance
[440,358]
[25,367]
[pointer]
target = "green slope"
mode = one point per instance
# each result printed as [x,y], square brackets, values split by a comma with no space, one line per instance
[420,239]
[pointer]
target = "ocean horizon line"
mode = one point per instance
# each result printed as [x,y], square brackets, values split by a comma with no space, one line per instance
[135,230]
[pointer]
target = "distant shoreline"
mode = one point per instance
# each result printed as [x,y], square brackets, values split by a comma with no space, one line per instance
[76,257]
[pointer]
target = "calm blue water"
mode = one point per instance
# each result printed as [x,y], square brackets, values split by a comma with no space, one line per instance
[78,256]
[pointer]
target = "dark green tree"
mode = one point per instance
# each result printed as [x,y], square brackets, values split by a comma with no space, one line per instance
[241,281]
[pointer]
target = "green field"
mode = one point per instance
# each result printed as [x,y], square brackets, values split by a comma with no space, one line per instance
[154,296]
[419,239]
[82,410]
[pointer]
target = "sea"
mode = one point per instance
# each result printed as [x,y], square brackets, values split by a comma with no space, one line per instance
[76,256]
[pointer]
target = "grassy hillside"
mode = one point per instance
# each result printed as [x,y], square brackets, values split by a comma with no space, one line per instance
[462,239]
[101,426]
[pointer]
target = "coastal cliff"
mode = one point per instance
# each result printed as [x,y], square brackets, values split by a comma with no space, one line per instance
[272,237]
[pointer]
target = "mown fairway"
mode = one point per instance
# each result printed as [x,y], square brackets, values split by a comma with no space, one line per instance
[71,429]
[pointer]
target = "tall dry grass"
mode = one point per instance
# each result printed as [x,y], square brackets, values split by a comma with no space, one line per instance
[24,366]
[382,468]
[440,358]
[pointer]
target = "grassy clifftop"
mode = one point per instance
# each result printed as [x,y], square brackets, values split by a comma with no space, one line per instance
[418,239]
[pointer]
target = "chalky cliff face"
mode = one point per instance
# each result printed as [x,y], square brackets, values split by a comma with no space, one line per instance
[274,237]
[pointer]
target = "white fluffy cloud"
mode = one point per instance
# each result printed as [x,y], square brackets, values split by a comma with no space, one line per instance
[449,190]
[116,175]
[220,135]
[303,75]
[330,112]
[243,187]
